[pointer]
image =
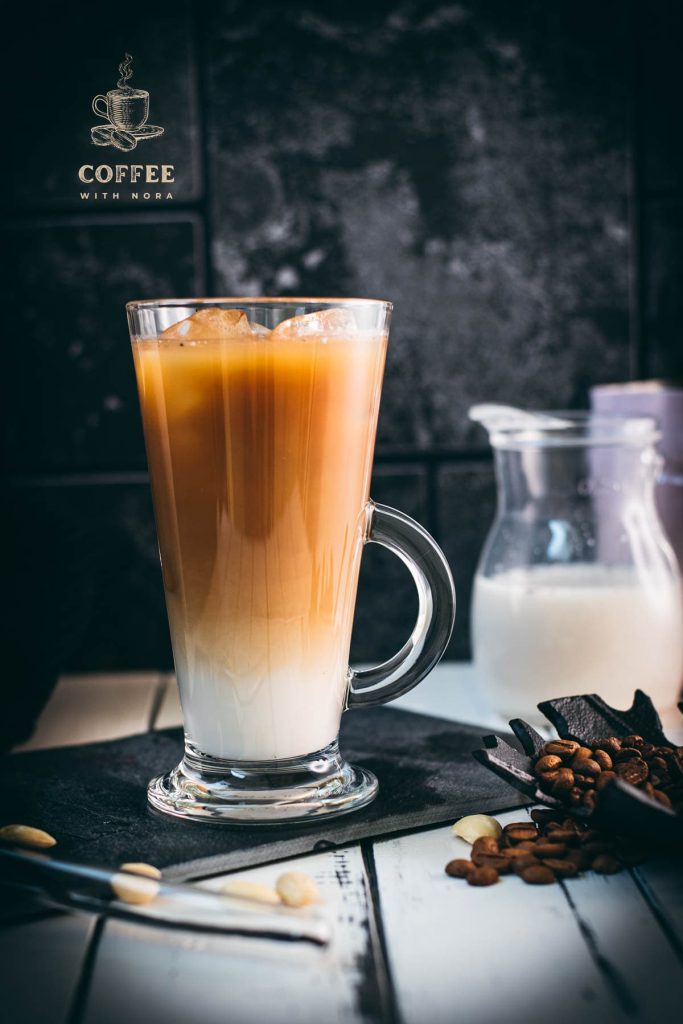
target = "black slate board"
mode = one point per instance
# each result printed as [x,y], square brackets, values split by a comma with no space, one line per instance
[92,798]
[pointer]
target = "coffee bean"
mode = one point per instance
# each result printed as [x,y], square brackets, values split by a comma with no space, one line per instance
[563,782]
[124,141]
[632,740]
[661,798]
[484,844]
[603,759]
[611,744]
[521,833]
[574,796]
[561,835]
[584,752]
[482,876]
[521,863]
[563,868]
[497,861]
[603,778]
[627,754]
[561,748]
[578,857]
[527,845]
[589,798]
[543,816]
[606,864]
[548,763]
[543,849]
[459,868]
[632,772]
[537,874]
[515,853]
[513,825]
[586,766]
[547,780]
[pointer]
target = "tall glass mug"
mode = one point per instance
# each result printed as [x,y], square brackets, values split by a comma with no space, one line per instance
[260,418]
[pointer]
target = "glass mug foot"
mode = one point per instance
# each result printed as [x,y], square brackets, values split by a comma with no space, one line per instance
[209,789]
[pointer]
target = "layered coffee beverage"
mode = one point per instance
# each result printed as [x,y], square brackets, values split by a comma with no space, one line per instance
[260,446]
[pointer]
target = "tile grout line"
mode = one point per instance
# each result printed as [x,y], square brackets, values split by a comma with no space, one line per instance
[160,691]
[76,1014]
[391,1013]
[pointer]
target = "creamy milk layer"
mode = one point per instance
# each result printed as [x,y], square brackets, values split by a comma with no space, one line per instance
[260,451]
[554,631]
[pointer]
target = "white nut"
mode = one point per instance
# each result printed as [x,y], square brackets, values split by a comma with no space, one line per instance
[297,889]
[26,835]
[473,826]
[130,889]
[243,889]
[138,868]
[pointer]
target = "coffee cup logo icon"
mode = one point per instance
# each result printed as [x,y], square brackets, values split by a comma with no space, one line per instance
[125,111]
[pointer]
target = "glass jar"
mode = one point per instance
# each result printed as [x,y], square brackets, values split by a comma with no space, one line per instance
[577,589]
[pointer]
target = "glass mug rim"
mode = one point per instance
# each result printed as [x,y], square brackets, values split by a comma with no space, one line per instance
[256,300]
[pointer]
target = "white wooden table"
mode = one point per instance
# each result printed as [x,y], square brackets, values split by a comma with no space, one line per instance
[410,945]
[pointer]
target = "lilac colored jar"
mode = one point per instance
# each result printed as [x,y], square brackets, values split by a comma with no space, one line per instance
[665,403]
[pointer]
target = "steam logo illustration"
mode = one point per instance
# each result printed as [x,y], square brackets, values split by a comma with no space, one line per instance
[125,111]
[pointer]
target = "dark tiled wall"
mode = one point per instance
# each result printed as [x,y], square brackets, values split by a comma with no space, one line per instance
[508,174]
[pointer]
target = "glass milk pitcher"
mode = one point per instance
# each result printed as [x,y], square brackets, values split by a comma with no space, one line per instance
[577,589]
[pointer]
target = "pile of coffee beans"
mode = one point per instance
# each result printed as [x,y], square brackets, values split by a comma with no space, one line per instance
[546,849]
[575,774]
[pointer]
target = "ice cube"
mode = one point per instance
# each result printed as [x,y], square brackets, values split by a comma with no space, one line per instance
[259,330]
[331,323]
[209,324]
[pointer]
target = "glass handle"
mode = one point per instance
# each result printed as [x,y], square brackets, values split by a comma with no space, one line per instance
[435,617]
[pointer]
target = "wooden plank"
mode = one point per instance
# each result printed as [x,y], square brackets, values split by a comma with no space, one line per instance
[41,964]
[89,708]
[661,882]
[145,974]
[482,955]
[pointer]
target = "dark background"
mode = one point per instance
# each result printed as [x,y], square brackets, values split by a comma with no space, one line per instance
[507,173]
